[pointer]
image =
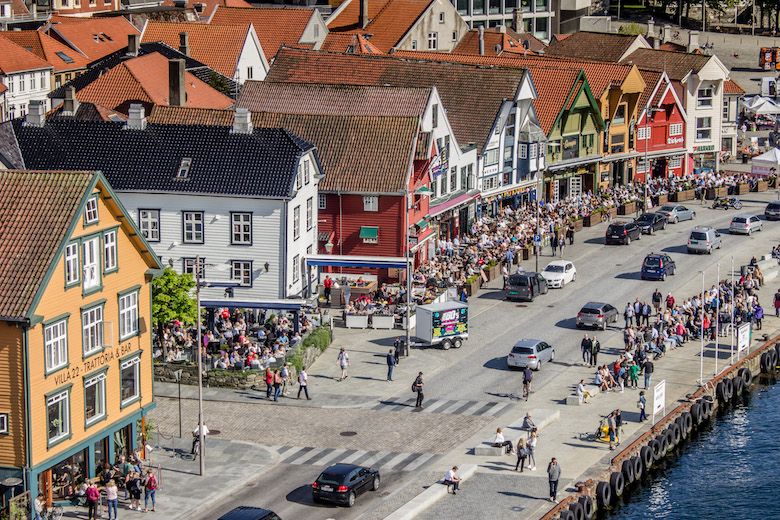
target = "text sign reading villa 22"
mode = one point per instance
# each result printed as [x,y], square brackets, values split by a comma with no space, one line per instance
[93,363]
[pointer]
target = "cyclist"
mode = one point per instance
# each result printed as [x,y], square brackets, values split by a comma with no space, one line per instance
[527,377]
[196,438]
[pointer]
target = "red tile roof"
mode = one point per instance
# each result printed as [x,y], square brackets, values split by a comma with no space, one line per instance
[677,65]
[19,8]
[593,46]
[390,20]
[93,37]
[553,87]
[145,79]
[3,88]
[14,58]
[350,43]
[275,26]
[206,8]
[731,87]
[202,42]
[57,54]
[651,79]
[505,42]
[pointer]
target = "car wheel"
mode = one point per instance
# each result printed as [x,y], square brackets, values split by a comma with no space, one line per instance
[457,343]
[538,366]
[693,215]
[351,499]
[375,483]
[663,226]
[446,344]
[663,277]
[675,220]
[574,277]
[604,325]
[709,250]
[750,232]
[563,284]
[628,241]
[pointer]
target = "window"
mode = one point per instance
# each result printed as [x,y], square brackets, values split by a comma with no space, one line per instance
[95,398]
[540,30]
[443,184]
[90,258]
[489,183]
[241,272]
[453,178]
[704,97]
[32,82]
[620,115]
[643,133]
[306,172]
[129,380]
[675,129]
[534,149]
[296,268]
[109,251]
[92,330]
[433,41]
[641,165]
[193,227]
[299,178]
[675,162]
[249,72]
[128,315]
[71,264]
[463,7]
[322,201]
[43,81]
[188,266]
[58,416]
[371,203]
[508,151]
[149,222]
[454,36]
[726,110]
[55,340]
[491,156]
[3,423]
[241,228]
[441,18]
[184,168]
[296,222]
[414,45]
[541,5]
[91,211]
[309,213]
[435,115]
[523,151]
[703,128]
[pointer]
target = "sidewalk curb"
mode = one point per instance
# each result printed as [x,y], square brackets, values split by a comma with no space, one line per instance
[427,498]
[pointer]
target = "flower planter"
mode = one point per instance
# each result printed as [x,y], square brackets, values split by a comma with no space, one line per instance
[663,198]
[495,271]
[743,188]
[577,225]
[682,196]
[357,321]
[473,287]
[712,193]
[382,322]
[762,185]
[627,208]
[612,212]
[592,219]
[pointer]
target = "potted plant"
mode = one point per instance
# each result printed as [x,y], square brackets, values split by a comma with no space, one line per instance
[762,185]
[663,198]
[473,283]
[627,208]
[577,224]
[743,188]
[594,218]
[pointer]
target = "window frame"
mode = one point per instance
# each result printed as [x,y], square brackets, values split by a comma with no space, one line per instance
[705,101]
[69,257]
[184,231]
[61,395]
[47,325]
[489,153]
[435,115]
[83,241]
[88,219]
[309,213]
[675,129]
[121,297]
[707,129]
[296,268]
[147,233]
[4,428]
[99,326]
[245,235]
[106,254]
[249,263]
[371,203]
[322,201]
[133,360]
[185,269]
[297,222]
[433,41]
[96,379]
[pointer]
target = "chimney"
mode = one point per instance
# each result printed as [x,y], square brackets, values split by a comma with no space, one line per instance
[667,33]
[132,44]
[650,28]
[363,14]
[177,95]
[481,40]
[70,105]
[656,43]
[242,123]
[184,43]
[136,119]
[517,21]
[34,10]
[36,114]
[693,40]
[502,29]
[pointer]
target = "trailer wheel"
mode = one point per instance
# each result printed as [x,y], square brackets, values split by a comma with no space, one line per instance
[446,344]
[457,343]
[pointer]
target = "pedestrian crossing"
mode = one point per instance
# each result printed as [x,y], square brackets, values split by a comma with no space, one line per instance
[384,460]
[444,406]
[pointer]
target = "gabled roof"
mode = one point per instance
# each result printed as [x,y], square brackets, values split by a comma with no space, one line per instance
[14,58]
[731,87]
[350,43]
[498,42]
[472,96]
[275,26]
[593,46]
[261,164]
[554,87]
[677,65]
[353,100]
[389,21]
[218,46]
[145,79]
[651,79]
[206,8]
[57,54]
[359,154]
[93,37]
[19,8]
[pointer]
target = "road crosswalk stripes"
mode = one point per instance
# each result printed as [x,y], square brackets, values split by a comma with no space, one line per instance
[444,406]
[383,460]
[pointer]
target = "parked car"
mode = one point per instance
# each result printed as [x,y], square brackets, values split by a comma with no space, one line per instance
[249,513]
[772,210]
[745,224]
[622,233]
[342,483]
[597,314]
[704,239]
[558,273]
[658,266]
[525,286]
[650,222]
[676,212]
[530,353]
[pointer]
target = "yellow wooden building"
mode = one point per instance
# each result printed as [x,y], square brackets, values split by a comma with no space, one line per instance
[75,328]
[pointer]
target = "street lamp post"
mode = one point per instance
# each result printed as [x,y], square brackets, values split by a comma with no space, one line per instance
[408,276]
[178,374]
[701,354]
[202,467]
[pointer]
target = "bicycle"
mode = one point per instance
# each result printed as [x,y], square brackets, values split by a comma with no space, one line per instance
[53,513]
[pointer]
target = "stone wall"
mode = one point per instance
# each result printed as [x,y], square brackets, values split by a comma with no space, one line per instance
[213,378]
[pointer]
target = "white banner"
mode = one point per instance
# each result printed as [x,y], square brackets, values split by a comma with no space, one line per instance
[659,397]
[743,337]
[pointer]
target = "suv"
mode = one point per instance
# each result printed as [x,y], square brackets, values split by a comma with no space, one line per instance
[772,211]
[703,239]
[596,314]
[249,513]
[530,353]
[745,224]
[525,286]
[623,233]
[657,266]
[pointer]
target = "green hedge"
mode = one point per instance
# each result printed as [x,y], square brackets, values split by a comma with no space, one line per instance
[319,338]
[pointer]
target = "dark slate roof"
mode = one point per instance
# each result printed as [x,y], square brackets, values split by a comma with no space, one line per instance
[99,67]
[261,164]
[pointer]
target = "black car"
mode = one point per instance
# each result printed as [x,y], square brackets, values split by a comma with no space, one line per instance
[342,483]
[525,286]
[650,222]
[772,211]
[249,513]
[623,233]
[657,267]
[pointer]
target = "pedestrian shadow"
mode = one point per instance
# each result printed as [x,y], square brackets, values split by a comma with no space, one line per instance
[519,495]
[497,363]
[366,378]
[407,404]
[504,395]
[598,445]
[637,275]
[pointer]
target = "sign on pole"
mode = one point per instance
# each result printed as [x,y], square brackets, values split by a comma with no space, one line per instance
[659,398]
[538,240]
[743,337]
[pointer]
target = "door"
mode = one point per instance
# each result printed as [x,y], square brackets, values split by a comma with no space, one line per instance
[575,186]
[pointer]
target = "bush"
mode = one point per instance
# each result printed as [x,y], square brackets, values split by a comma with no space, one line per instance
[471,279]
[632,28]
[319,338]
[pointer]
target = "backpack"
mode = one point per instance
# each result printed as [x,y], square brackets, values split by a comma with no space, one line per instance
[414,386]
[522,453]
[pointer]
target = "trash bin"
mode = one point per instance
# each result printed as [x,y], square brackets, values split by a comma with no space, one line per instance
[744,158]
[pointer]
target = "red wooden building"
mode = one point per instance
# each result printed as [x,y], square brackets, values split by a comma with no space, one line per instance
[660,132]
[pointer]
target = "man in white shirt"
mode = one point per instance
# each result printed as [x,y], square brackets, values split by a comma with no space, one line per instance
[196,436]
[452,479]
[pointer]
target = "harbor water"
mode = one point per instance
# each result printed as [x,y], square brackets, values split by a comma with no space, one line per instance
[728,470]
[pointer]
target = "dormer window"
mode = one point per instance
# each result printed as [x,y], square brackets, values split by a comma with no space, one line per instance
[91,211]
[184,169]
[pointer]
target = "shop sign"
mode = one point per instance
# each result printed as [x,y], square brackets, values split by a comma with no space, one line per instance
[450,322]
[413,241]
[490,170]
[93,363]
[440,164]
[571,147]
[675,140]
[704,148]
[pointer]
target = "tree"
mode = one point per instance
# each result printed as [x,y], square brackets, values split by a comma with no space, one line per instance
[172,300]
[632,28]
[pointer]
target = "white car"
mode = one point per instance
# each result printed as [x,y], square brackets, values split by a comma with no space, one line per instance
[558,273]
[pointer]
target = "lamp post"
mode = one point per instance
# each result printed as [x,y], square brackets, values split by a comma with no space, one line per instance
[178,381]
[202,462]
[424,191]
[701,354]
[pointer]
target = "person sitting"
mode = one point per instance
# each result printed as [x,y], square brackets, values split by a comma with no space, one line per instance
[451,479]
[500,442]
[528,423]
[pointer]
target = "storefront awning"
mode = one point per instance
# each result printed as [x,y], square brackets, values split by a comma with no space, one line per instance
[365,262]
[422,224]
[370,232]
[438,209]
[280,305]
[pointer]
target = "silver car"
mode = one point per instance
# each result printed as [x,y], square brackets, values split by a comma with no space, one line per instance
[597,314]
[530,353]
[704,239]
[745,224]
[676,212]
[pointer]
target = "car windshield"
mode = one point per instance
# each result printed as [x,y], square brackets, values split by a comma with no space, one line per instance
[652,261]
[774,205]
[739,220]
[698,235]
[522,350]
[554,269]
[667,209]
[618,228]
[521,281]
[646,218]
[330,478]
[590,310]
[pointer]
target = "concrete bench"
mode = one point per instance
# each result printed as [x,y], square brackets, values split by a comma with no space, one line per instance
[575,401]
[430,496]
[488,450]
[541,417]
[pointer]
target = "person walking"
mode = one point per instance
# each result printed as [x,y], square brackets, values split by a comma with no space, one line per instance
[285,378]
[657,299]
[648,368]
[642,405]
[594,353]
[269,382]
[777,304]
[612,431]
[343,359]
[303,383]
[522,454]
[277,385]
[561,245]
[135,486]
[327,288]
[527,378]
[93,495]
[570,233]
[531,447]
[758,314]
[397,349]
[586,346]
[390,365]
[628,315]
[646,311]
[451,479]
[633,370]
[112,499]
[150,489]
[554,243]
[505,275]
[553,475]
[417,386]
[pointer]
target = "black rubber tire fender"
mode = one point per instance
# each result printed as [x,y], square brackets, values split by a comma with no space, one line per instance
[669,437]
[627,468]
[720,391]
[764,363]
[777,348]
[603,495]
[657,447]
[566,514]
[773,363]
[710,406]
[746,375]
[739,387]
[617,482]
[676,430]
[578,513]
[687,423]
[646,454]
[588,507]
[729,390]
[636,462]
[696,413]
